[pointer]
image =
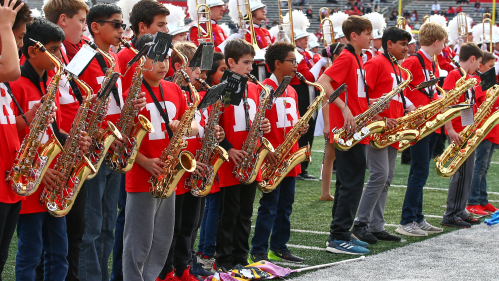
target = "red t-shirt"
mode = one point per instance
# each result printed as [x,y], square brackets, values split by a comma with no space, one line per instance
[283,116]
[10,144]
[449,84]
[419,75]
[69,105]
[154,143]
[304,68]
[351,75]
[233,121]
[263,36]
[218,34]
[382,79]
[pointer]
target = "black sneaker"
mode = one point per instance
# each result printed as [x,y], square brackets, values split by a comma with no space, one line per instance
[457,224]
[472,220]
[256,257]
[363,234]
[222,266]
[385,236]
[198,270]
[307,176]
[285,256]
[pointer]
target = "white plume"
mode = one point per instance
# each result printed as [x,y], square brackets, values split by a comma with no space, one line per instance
[274,31]
[312,37]
[234,11]
[408,29]
[35,13]
[377,20]
[338,19]
[225,28]
[453,30]
[438,19]
[126,8]
[478,32]
[300,22]
[177,14]
[191,6]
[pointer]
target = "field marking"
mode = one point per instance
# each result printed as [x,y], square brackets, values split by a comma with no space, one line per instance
[494,162]
[306,247]
[432,216]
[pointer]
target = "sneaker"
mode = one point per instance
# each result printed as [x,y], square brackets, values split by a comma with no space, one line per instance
[170,276]
[222,266]
[285,256]
[472,220]
[359,243]
[345,247]
[187,276]
[457,224]
[363,234]
[307,176]
[207,261]
[425,226]
[477,210]
[411,229]
[489,208]
[385,236]
[256,257]
[198,270]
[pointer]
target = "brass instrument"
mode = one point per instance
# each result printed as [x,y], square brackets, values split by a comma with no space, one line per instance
[34,158]
[401,22]
[247,171]
[210,153]
[455,155]
[327,27]
[343,140]
[101,139]
[122,159]
[70,163]
[462,26]
[290,22]
[487,19]
[425,18]
[204,16]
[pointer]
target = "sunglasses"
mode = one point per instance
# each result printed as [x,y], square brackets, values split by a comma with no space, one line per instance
[116,24]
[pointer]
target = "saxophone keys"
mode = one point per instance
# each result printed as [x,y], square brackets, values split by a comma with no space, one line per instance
[365,131]
[462,152]
[357,137]
[348,143]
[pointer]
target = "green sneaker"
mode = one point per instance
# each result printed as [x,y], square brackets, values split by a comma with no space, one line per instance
[285,256]
[252,258]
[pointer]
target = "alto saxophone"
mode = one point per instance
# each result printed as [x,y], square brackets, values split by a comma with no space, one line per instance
[454,156]
[70,163]
[122,159]
[101,138]
[247,171]
[210,153]
[343,140]
[177,161]
[34,158]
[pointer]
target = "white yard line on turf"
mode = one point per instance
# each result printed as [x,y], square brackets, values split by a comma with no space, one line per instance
[306,247]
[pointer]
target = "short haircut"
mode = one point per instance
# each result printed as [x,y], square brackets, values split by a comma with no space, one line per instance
[186,48]
[334,49]
[145,11]
[217,58]
[41,30]
[277,52]
[101,12]
[55,8]
[237,48]
[23,16]
[356,24]
[468,50]
[487,56]
[143,40]
[394,34]
[430,32]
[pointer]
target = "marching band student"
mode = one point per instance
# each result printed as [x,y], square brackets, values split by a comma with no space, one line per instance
[431,37]
[379,24]
[351,163]
[460,183]
[176,28]
[477,199]
[275,207]
[147,239]
[216,13]
[313,46]
[236,206]
[382,76]
[411,47]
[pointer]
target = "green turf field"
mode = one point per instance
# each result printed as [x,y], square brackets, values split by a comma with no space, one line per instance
[311,218]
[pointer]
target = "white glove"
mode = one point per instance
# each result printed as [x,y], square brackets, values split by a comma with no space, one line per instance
[316,69]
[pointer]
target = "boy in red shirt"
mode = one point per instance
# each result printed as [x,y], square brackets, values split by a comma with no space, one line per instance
[217,9]
[382,76]
[148,230]
[460,183]
[351,163]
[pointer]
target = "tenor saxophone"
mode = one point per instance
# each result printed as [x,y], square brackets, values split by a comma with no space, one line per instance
[122,159]
[210,153]
[247,171]
[74,167]
[101,138]
[34,158]
[343,140]
[454,155]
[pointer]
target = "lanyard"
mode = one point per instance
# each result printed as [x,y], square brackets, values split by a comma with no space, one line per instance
[246,109]
[396,77]
[352,50]
[9,91]
[103,66]
[158,106]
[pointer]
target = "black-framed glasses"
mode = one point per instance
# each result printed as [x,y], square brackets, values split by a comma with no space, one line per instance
[117,24]
[293,61]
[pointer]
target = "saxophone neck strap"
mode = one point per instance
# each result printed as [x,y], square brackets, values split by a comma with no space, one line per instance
[104,67]
[246,109]
[351,49]
[398,77]
[421,61]
[164,114]
[9,91]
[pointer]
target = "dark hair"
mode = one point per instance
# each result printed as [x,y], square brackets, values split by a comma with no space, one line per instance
[55,8]
[277,52]
[143,40]
[42,30]
[101,12]
[394,34]
[468,50]
[334,49]
[145,11]
[217,58]
[237,48]
[22,16]
[356,24]
[487,56]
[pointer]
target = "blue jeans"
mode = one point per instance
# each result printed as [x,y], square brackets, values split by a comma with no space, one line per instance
[41,233]
[478,192]
[421,154]
[208,233]
[100,219]
[117,273]
[273,217]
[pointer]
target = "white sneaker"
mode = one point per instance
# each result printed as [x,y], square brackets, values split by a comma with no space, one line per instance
[411,229]
[424,225]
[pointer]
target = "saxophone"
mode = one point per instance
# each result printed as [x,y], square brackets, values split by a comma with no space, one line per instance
[210,153]
[454,156]
[177,161]
[122,159]
[70,163]
[343,140]
[101,139]
[34,158]
[248,170]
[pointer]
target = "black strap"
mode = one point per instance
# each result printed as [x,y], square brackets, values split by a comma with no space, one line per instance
[421,61]
[401,93]
[9,91]
[158,106]
[76,91]
[351,49]
[246,109]
[103,66]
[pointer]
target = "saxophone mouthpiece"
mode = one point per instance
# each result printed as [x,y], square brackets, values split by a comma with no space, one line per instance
[125,43]
[38,45]
[91,44]
[300,76]
[252,77]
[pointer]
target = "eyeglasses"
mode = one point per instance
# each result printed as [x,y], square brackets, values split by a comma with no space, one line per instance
[117,24]
[293,61]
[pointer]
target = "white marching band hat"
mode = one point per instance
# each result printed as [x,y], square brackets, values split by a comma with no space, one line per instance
[337,19]
[378,23]
[175,21]
[312,41]
[453,29]
[234,8]
[300,24]
[191,6]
